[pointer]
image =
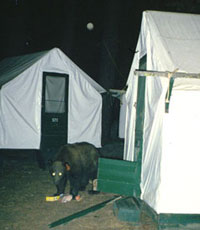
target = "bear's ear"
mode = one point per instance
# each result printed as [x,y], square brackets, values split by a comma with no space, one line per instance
[67,166]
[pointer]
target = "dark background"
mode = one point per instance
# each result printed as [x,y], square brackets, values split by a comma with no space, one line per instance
[105,53]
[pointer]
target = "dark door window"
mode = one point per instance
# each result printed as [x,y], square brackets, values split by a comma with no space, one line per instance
[55,94]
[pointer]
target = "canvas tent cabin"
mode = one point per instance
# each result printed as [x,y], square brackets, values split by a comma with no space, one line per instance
[46,100]
[162,120]
[168,139]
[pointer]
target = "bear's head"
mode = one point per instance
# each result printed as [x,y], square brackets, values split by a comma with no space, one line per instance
[59,170]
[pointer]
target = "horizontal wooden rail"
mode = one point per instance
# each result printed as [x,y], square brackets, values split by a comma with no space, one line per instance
[166,74]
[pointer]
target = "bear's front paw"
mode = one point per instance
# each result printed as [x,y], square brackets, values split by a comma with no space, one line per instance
[66,199]
[78,198]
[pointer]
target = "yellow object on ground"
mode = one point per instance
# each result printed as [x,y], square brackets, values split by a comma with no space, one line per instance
[52,198]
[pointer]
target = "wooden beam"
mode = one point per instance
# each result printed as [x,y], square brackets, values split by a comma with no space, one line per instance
[117,92]
[84,212]
[166,74]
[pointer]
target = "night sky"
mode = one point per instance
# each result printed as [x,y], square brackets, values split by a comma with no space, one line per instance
[105,53]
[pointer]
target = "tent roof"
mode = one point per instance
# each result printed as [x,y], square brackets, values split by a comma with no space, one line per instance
[173,39]
[13,66]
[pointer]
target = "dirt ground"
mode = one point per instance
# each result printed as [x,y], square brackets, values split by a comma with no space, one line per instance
[24,186]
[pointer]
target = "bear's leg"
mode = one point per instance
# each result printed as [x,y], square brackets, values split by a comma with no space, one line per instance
[93,177]
[93,174]
[84,181]
[74,186]
[61,187]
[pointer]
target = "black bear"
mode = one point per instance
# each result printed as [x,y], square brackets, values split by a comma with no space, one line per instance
[77,163]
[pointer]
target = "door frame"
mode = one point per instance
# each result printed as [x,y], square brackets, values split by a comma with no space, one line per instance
[47,140]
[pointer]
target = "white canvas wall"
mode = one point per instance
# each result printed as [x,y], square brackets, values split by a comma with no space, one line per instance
[21,111]
[179,187]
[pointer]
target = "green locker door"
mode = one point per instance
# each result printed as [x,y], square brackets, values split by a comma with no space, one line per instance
[54,110]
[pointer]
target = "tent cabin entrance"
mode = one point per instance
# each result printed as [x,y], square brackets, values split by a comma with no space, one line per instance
[54,115]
